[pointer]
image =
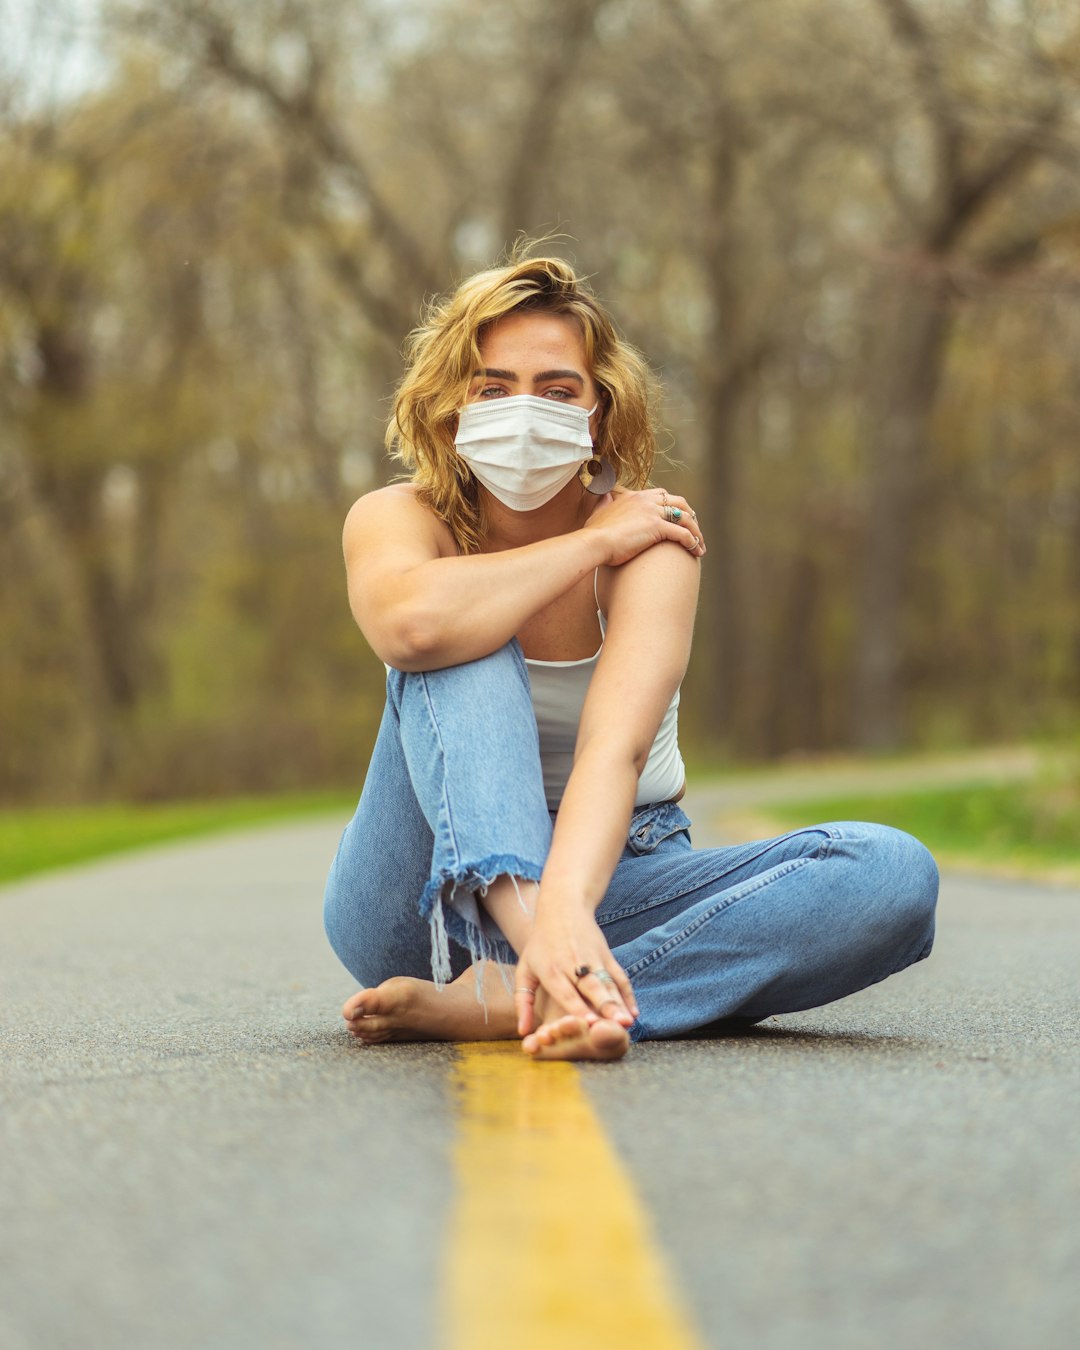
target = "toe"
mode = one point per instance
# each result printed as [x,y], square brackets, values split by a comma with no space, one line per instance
[360,1005]
[569,1027]
[372,1026]
[608,1038]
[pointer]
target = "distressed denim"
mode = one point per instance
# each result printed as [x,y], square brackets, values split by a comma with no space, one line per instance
[454,797]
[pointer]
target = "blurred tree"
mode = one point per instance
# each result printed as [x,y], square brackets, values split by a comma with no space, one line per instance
[980,114]
[847,233]
[151,296]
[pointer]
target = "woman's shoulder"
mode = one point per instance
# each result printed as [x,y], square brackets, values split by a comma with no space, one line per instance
[665,568]
[392,493]
[396,501]
[396,509]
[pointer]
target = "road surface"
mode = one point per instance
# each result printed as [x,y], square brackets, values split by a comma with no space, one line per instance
[193,1153]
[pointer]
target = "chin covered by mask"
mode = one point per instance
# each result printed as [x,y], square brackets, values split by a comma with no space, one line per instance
[524,449]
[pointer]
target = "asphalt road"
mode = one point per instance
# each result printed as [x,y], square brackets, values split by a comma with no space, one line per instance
[194,1154]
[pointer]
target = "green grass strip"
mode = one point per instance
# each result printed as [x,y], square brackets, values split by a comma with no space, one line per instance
[38,839]
[1027,825]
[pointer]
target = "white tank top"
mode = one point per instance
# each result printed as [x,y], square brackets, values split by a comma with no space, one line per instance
[558,696]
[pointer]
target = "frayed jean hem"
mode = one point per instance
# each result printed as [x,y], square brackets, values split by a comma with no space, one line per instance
[451,904]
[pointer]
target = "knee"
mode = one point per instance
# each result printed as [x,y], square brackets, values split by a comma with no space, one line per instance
[340,927]
[345,929]
[366,961]
[505,665]
[899,873]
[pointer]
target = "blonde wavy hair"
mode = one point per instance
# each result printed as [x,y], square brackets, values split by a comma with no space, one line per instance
[444,351]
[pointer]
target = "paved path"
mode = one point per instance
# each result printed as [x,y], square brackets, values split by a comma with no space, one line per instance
[193,1154]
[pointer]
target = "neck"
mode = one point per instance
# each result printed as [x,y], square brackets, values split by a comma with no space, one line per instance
[568,510]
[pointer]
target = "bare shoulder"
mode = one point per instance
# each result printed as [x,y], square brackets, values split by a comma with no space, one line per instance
[395,513]
[665,572]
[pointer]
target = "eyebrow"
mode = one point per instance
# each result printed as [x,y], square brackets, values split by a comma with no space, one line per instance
[544,375]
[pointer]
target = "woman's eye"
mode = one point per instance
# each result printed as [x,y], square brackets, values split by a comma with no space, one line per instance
[559,394]
[491,391]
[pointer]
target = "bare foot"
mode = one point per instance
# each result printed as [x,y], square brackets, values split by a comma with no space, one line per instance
[406,1009]
[572,1037]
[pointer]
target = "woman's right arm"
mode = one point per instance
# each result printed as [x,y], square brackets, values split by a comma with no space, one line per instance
[422,608]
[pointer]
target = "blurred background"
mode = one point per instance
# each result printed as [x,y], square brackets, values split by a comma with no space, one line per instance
[845,232]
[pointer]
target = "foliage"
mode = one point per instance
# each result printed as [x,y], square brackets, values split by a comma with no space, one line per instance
[848,233]
[1028,826]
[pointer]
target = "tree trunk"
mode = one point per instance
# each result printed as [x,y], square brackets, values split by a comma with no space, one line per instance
[905,377]
[719,641]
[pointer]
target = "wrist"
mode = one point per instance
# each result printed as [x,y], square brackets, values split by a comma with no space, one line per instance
[565,896]
[597,544]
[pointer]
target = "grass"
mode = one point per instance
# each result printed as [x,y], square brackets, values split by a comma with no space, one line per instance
[37,839]
[1024,827]
[1027,827]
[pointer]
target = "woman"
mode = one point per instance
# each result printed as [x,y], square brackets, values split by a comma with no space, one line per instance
[533,601]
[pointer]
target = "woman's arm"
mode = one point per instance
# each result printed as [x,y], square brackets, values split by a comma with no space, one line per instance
[423,607]
[646,648]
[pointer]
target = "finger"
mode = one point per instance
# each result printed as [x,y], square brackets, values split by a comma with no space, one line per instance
[606,996]
[525,1008]
[682,535]
[565,992]
[685,531]
[688,512]
[525,986]
[678,510]
[625,987]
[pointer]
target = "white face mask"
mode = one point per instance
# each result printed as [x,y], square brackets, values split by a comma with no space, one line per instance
[524,449]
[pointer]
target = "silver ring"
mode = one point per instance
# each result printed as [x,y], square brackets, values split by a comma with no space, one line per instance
[604,976]
[522,990]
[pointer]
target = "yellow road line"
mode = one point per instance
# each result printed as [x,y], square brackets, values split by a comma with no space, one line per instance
[548,1244]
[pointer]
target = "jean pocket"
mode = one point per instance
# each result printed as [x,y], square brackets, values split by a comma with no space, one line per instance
[651,825]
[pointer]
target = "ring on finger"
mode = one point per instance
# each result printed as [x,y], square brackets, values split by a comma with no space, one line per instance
[604,976]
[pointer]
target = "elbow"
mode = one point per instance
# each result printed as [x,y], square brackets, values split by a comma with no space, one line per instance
[622,756]
[640,757]
[401,628]
[411,643]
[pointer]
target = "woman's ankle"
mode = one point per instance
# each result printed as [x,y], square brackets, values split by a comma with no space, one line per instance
[511,902]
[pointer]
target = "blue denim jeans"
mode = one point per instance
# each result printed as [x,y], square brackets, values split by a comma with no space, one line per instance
[454,797]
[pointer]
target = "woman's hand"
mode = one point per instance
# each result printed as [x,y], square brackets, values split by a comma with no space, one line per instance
[633,521]
[561,943]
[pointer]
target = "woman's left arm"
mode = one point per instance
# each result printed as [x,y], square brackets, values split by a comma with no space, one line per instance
[651,604]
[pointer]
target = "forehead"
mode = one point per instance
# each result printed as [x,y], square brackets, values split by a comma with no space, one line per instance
[519,340]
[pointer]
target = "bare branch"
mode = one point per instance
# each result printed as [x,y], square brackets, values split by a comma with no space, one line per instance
[537,132]
[303,112]
[909,29]
[971,191]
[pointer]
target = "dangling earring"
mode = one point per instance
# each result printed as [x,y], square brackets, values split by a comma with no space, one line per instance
[597,476]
